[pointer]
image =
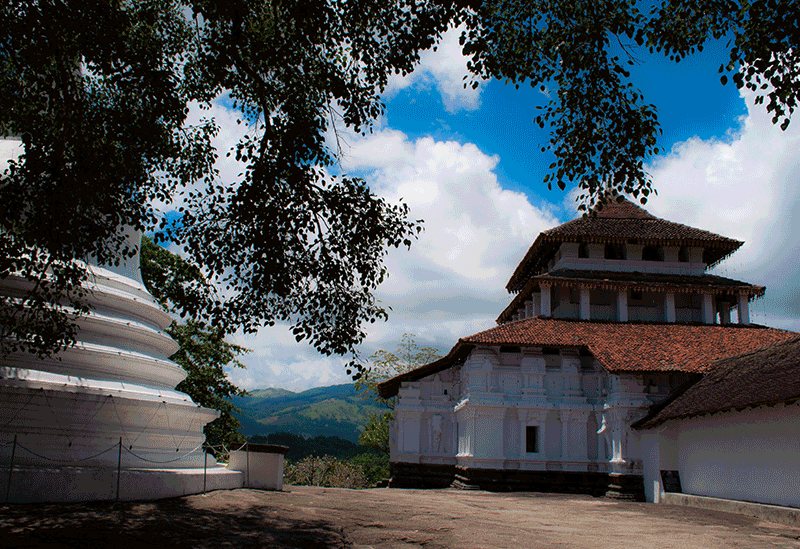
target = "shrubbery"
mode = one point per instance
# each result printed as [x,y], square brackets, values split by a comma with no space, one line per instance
[325,471]
[328,461]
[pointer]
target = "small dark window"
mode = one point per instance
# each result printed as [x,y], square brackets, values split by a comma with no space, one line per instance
[683,254]
[532,439]
[583,251]
[614,251]
[508,349]
[636,295]
[653,253]
[549,351]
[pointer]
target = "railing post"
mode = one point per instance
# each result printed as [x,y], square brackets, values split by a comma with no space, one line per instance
[11,468]
[205,466]
[247,446]
[119,465]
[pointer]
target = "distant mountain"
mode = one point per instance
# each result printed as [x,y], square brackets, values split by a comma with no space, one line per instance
[330,411]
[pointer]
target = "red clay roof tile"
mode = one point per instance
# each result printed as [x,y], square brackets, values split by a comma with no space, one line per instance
[619,222]
[766,376]
[618,346]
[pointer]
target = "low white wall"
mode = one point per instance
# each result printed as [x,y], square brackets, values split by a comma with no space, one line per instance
[752,455]
[262,466]
[70,484]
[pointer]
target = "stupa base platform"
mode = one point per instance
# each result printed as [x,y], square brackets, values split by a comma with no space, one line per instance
[72,484]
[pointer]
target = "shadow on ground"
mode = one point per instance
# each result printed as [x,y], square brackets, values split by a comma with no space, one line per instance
[172,523]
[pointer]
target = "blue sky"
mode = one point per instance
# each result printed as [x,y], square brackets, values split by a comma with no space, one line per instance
[468,163]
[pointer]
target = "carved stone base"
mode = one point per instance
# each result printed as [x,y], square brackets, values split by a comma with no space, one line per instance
[499,480]
[625,487]
[421,475]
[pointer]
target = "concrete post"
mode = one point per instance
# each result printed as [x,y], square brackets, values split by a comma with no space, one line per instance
[545,290]
[708,308]
[585,305]
[744,309]
[622,305]
[669,306]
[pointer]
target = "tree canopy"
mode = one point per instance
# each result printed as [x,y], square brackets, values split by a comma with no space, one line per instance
[99,93]
[385,364]
[602,129]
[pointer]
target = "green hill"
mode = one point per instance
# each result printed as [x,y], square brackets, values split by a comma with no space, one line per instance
[328,411]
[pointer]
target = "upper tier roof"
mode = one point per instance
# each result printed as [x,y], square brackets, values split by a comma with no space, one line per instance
[618,346]
[770,375]
[619,222]
[602,280]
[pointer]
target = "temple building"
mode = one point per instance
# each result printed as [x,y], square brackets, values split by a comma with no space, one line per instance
[611,314]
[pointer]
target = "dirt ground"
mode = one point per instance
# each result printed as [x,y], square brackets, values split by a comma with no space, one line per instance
[304,517]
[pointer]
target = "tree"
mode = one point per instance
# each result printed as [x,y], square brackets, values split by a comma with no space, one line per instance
[602,128]
[203,350]
[383,365]
[98,92]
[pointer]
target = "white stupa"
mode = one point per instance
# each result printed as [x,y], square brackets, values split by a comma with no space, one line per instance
[68,424]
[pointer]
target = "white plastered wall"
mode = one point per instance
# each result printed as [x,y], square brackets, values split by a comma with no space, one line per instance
[752,455]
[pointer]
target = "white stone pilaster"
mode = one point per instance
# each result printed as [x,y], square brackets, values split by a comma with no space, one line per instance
[708,308]
[669,306]
[622,305]
[533,368]
[546,303]
[744,309]
[571,370]
[585,305]
[529,308]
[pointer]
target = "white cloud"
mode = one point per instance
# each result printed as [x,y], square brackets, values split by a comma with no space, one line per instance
[746,187]
[445,69]
[450,284]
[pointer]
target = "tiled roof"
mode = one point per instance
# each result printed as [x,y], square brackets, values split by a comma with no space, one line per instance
[619,223]
[770,375]
[605,280]
[618,346]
